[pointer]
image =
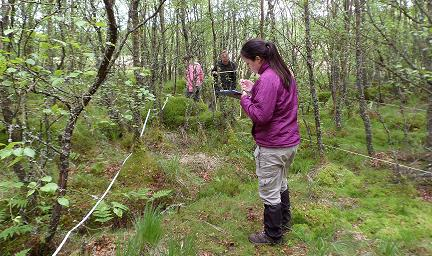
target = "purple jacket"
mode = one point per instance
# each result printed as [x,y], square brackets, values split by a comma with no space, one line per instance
[273,110]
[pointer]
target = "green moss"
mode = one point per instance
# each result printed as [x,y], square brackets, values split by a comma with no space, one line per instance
[111,130]
[174,114]
[222,185]
[324,96]
[334,175]
[140,169]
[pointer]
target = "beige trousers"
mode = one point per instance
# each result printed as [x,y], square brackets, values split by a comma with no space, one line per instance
[272,168]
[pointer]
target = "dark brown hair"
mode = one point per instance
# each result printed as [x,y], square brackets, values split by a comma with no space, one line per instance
[267,50]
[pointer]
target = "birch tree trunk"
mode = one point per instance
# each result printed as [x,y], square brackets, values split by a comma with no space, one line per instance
[359,74]
[75,112]
[309,62]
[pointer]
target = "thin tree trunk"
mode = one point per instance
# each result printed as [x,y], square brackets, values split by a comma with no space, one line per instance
[213,30]
[73,118]
[345,53]
[176,59]
[136,49]
[335,72]
[262,19]
[271,19]
[309,63]
[359,73]
[184,28]
[163,70]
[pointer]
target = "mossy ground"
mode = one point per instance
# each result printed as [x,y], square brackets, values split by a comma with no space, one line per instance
[342,204]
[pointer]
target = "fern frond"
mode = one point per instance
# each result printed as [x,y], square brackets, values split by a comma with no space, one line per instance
[14,231]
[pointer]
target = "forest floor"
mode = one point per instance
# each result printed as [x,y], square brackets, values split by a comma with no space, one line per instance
[342,204]
[205,185]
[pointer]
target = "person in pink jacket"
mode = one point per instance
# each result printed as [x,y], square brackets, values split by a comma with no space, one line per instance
[194,78]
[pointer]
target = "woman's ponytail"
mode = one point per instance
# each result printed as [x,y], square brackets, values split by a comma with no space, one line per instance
[268,51]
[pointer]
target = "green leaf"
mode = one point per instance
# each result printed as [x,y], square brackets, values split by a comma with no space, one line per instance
[49,187]
[16,160]
[159,194]
[11,184]
[32,185]
[10,232]
[45,45]
[47,111]
[90,73]
[18,151]
[29,152]
[30,192]
[8,31]
[23,252]
[11,70]
[100,24]
[30,62]
[119,206]
[80,23]
[118,212]
[63,201]
[13,144]
[5,153]
[57,81]
[58,72]
[74,74]
[47,179]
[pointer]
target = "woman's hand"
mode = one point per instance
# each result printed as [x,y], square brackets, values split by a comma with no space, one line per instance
[246,85]
[244,94]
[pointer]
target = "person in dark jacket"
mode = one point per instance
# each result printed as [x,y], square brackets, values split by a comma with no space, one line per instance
[225,73]
[271,103]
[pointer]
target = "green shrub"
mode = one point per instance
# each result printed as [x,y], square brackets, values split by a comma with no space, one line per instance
[210,119]
[324,96]
[111,130]
[175,111]
[333,175]
[3,134]
[373,92]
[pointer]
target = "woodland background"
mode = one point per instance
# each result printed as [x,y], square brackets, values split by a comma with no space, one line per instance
[78,78]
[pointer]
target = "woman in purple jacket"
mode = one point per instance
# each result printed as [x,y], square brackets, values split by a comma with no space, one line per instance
[271,103]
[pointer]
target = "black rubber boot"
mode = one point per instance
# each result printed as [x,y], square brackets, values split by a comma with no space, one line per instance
[273,221]
[263,238]
[286,212]
[272,226]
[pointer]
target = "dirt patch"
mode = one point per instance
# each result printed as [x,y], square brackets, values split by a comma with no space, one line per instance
[298,250]
[111,170]
[252,215]
[383,156]
[203,253]
[159,181]
[104,246]
[201,162]
[425,193]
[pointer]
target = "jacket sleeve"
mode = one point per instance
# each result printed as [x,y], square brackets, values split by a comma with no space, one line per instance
[260,108]
[189,75]
[200,74]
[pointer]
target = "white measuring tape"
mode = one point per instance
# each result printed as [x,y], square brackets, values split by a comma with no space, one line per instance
[106,191]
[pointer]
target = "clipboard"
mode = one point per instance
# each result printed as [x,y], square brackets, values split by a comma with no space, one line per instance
[230,93]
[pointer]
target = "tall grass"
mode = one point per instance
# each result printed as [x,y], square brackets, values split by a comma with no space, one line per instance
[148,232]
